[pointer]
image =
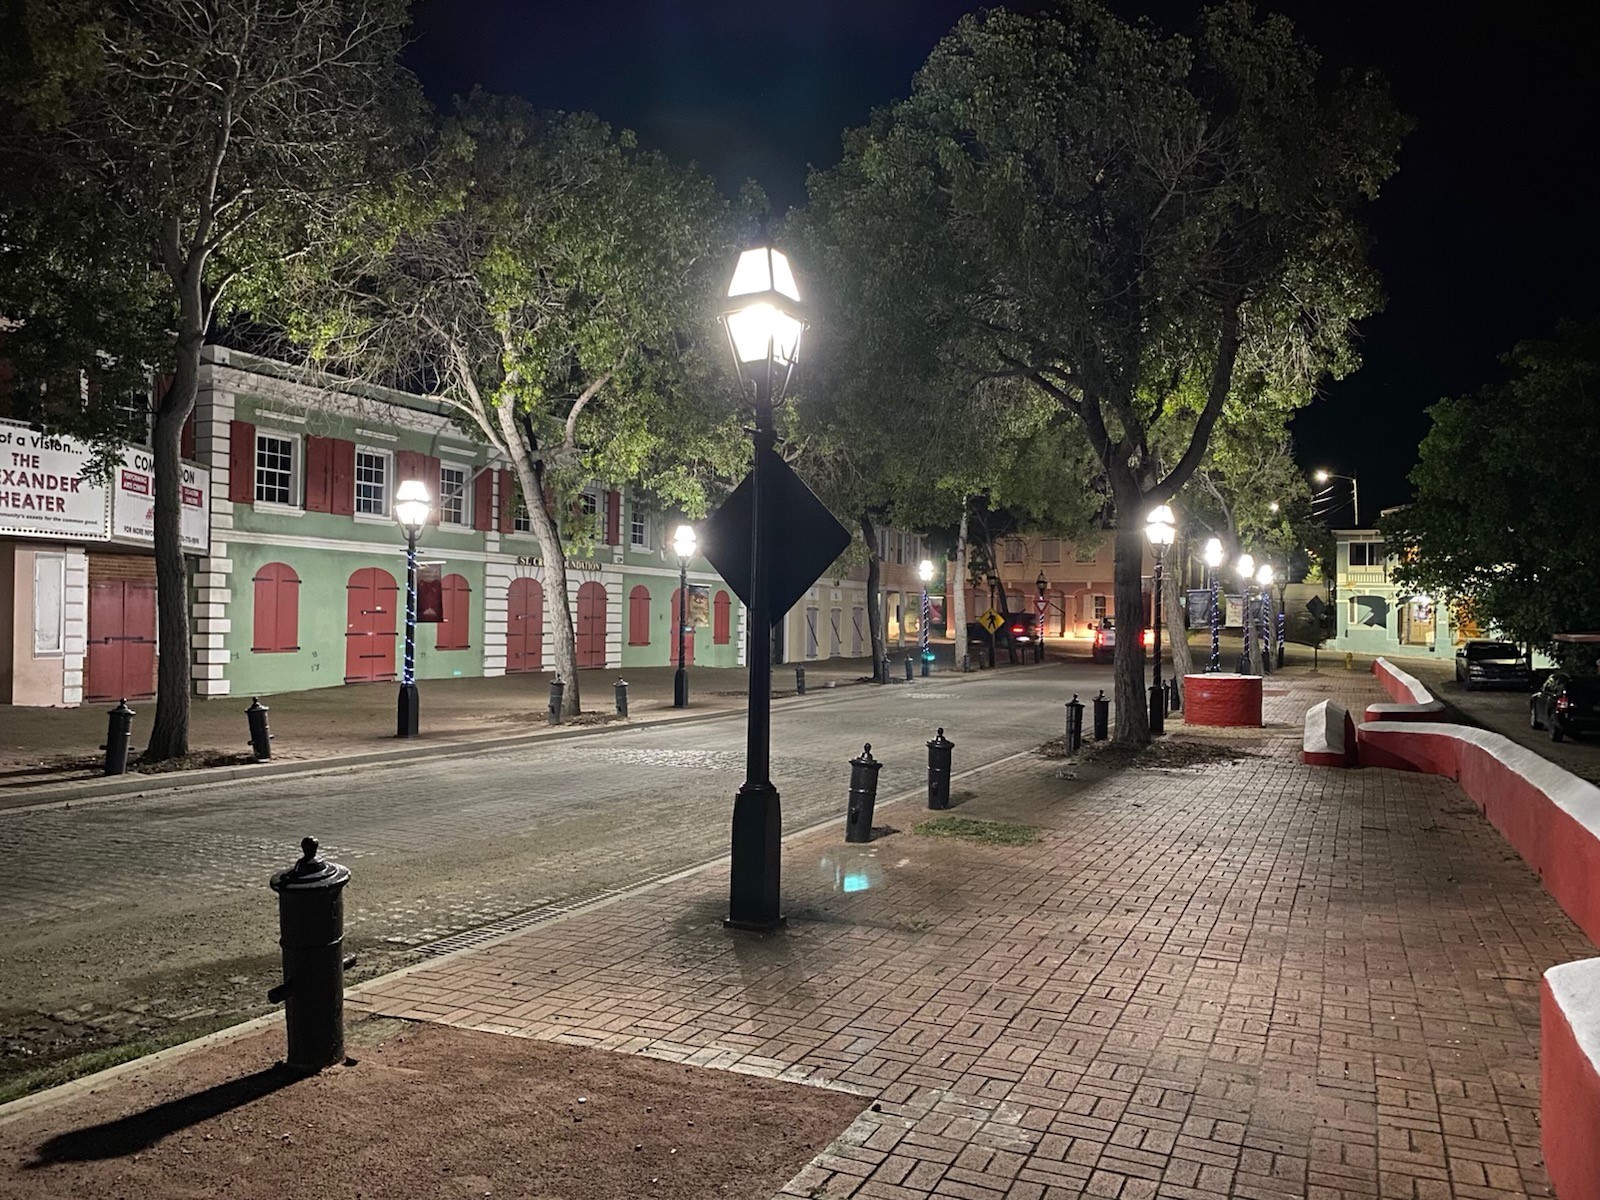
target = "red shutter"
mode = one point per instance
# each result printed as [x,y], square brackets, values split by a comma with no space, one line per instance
[506,506]
[639,616]
[452,632]
[288,608]
[277,609]
[408,464]
[719,619]
[430,476]
[613,516]
[319,474]
[342,477]
[483,500]
[241,462]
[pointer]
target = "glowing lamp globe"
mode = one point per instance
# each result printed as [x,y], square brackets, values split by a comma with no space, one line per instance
[1161,527]
[1214,553]
[1246,566]
[925,571]
[763,314]
[683,541]
[411,505]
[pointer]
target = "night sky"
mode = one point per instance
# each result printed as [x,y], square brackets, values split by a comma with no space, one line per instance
[1488,235]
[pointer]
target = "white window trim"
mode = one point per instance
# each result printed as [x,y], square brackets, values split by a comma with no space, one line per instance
[297,495]
[59,564]
[468,473]
[388,483]
[635,517]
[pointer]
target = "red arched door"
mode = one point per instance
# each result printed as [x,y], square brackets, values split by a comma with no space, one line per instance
[688,636]
[592,625]
[370,601]
[524,626]
[122,640]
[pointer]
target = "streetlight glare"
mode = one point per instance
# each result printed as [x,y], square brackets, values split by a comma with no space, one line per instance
[763,269]
[1264,575]
[763,329]
[411,502]
[1321,476]
[1246,566]
[1214,553]
[1161,526]
[683,541]
[925,570]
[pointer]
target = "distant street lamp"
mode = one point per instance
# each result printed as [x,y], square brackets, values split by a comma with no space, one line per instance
[411,510]
[1213,561]
[683,545]
[1161,528]
[1246,567]
[1264,617]
[765,321]
[924,573]
[1041,608]
[1323,476]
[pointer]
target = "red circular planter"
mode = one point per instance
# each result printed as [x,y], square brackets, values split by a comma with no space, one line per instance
[1222,700]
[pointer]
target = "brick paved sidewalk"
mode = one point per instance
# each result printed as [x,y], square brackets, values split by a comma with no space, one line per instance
[1246,979]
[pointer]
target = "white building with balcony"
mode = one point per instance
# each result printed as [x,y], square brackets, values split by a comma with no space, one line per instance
[1373,614]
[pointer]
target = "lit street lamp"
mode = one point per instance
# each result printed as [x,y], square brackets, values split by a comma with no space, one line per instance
[1323,476]
[1161,528]
[1264,616]
[683,547]
[411,509]
[924,573]
[1246,567]
[1213,561]
[764,320]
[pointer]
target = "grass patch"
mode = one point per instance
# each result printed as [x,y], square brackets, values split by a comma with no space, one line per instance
[993,833]
[67,1069]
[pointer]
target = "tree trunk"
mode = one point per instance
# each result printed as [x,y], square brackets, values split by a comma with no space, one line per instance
[169,733]
[1128,686]
[874,610]
[1172,613]
[958,590]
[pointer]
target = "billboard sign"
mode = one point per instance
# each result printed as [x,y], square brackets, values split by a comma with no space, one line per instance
[133,507]
[42,489]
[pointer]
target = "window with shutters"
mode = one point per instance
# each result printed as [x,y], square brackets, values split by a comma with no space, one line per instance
[639,530]
[277,455]
[520,521]
[454,632]
[277,610]
[720,618]
[1099,608]
[639,616]
[453,503]
[589,505]
[372,482]
[1013,550]
[1050,550]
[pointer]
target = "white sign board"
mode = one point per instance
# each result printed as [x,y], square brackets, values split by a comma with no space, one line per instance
[133,509]
[42,488]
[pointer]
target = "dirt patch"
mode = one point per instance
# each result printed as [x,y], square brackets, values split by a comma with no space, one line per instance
[424,1111]
[1164,752]
[994,833]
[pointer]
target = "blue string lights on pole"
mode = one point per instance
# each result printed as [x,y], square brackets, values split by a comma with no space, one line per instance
[925,573]
[1213,565]
[1246,567]
[1264,615]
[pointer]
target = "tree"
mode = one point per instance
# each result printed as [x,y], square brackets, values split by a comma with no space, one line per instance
[1142,228]
[554,287]
[1502,526]
[181,154]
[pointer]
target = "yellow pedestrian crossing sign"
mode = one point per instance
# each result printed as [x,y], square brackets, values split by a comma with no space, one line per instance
[991,620]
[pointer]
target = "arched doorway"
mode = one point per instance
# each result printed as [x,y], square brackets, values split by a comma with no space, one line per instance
[524,626]
[591,632]
[370,600]
[688,636]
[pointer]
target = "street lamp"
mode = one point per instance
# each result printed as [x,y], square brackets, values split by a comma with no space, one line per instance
[1263,617]
[411,510]
[765,321]
[1246,567]
[1161,528]
[1323,476]
[683,547]
[1041,608]
[1213,561]
[925,573]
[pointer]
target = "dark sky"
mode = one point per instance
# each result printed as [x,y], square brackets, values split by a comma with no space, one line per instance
[1487,236]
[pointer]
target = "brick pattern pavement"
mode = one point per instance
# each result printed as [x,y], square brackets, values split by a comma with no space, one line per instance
[1254,979]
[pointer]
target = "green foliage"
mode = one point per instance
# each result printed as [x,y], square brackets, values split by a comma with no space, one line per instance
[1503,526]
[992,833]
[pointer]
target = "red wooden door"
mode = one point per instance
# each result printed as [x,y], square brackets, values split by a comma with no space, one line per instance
[122,640]
[592,625]
[688,637]
[524,626]
[371,597]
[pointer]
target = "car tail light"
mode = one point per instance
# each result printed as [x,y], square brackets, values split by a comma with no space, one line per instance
[1563,702]
[1099,638]
[1016,629]
[1149,637]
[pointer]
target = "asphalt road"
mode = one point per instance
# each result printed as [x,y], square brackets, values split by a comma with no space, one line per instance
[150,918]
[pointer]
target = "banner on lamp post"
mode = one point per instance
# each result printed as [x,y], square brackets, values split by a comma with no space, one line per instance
[430,593]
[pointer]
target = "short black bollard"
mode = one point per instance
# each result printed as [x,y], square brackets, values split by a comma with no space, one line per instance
[883,670]
[909,669]
[260,736]
[620,690]
[863,796]
[966,663]
[1074,724]
[939,770]
[557,691]
[1175,697]
[926,663]
[311,933]
[119,732]
[1102,717]
[799,681]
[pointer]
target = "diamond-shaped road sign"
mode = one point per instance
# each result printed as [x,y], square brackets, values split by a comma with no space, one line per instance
[991,620]
[800,540]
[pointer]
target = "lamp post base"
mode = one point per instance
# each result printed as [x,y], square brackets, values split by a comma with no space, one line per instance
[757,859]
[680,688]
[406,712]
[1158,709]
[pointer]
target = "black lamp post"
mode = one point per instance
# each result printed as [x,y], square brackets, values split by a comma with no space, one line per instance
[764,320]
[683,545]
[1246,567]
[1161,528]
[1039,611]
[924,615]
[411,505]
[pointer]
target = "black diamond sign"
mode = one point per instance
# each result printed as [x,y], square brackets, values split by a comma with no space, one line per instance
[800,540]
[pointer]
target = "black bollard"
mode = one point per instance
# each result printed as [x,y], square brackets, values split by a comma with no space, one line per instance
[863,796]
[260,736]
[926,664]
[1175,697]
[620,690]
[966,663]
[939,770]
[883,670]
[311,933]
[1102,717]
[119,732]
[557,691]
[1074,724]
[909,669]
[799,681]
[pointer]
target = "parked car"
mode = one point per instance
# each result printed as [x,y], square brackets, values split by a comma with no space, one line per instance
[1481,663]
[1105,639]
[1567,705]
